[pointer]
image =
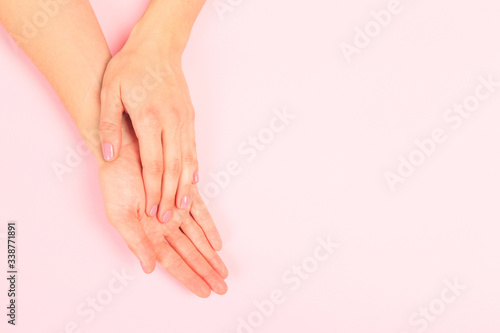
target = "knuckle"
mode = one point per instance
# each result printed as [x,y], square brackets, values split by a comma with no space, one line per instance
[167,204]
[108,126]
[133,245]
[175,264]
[193,257]
[148,120]
[204,215]
[107,89]
[189,159]
[173,167]
[108,94]
[154,167]
[167,199]
[151,109]
[175,118]
[188,225]
[176,224]
[174,236]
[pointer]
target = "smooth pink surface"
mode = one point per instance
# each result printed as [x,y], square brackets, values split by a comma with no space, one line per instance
[184,202]
[107,151]
[153,211]
[166,217]
[293,143]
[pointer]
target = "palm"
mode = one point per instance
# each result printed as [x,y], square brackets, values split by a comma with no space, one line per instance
[180,246]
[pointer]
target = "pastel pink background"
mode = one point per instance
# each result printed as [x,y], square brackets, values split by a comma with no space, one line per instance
[321,176]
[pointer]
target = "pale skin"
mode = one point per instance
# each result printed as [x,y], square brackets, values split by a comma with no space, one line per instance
[71,49]
[146,80]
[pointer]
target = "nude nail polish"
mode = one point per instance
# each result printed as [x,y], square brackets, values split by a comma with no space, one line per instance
[107,151]
[167,216]
[185,202]
[196,177]
[153,211]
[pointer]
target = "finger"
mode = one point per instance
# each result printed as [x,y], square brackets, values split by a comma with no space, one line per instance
[138,242]
[193,231]
[151,153]
[171,172]
[175,266]
[201,215]
[183,246]
[110,130]
[189,166]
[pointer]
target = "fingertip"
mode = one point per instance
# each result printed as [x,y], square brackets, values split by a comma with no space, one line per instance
[221,288]
[148,268]
[217,245]
[147,258]
[224,272]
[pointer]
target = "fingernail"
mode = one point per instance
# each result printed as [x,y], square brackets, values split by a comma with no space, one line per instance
[107,151]
[166,217]
[143,267]
[184,202]
[196,178]
[153,211]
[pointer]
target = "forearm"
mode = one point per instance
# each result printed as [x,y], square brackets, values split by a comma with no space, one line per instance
[168,23]
[70,51]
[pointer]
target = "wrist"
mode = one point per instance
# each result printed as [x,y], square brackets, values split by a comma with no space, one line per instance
[151,32]
[92,140]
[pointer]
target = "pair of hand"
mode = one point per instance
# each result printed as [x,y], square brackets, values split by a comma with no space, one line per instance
[149,178]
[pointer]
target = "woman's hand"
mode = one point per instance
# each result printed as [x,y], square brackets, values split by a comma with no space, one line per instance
[180,246]
[145,79]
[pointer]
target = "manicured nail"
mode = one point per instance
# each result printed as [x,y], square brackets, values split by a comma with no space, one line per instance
[166,217]
[143,267]
[196,178]
[153,211]
[107,151]
[185,202]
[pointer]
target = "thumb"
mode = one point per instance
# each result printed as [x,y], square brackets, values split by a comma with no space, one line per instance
[110,125]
